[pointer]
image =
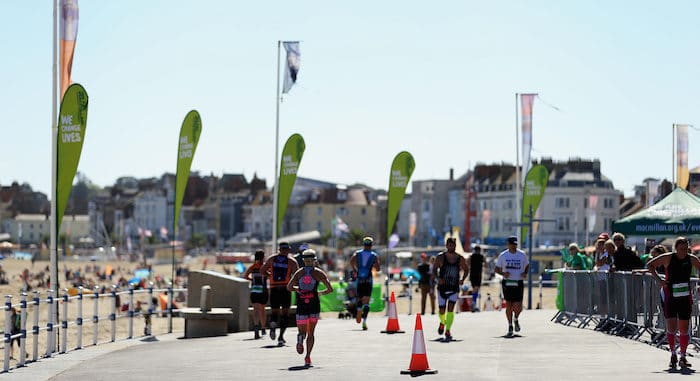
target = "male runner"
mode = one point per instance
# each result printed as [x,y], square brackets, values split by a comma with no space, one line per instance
[513,265]
[476,267]
[446,270]
[280,268]
[363,261]
[305,282]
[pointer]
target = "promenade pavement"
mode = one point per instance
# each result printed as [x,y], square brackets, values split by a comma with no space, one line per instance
[542,350]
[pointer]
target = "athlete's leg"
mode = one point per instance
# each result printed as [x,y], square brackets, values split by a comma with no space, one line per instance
[475,298]
[450,316]
[310,339]
[263,315]
[431,293]
[365,308]
[442,302]
[671,328]
[684,337]
[302,326]
[284,321]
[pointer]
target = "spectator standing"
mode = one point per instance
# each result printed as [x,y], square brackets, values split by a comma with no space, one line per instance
[424,285]
[624,259]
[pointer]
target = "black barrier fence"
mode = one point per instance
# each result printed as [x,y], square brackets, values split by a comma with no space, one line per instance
[625,304]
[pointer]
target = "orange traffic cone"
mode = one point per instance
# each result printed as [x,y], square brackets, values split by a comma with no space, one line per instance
[392,325]
[419,359]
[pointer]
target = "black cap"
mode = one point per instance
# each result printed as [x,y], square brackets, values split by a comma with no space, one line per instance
[513,239]
[284,245]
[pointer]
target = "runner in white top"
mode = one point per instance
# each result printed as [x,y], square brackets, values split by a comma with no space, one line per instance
[513,265]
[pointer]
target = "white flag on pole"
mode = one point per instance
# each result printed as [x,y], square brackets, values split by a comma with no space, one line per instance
[292,67]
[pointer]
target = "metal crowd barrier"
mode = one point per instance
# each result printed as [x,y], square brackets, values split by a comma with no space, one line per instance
[625,304]
[68,324]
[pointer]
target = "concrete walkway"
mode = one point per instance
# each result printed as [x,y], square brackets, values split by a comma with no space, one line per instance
[543,350]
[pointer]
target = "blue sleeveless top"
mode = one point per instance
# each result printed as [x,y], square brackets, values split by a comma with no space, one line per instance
[365,260]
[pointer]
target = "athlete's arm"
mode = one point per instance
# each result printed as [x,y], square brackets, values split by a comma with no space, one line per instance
[292,263]
[325,281]
[661,260]
[465,269]
[353,261]
[695,261]
[526,271]
[375,265]
[292,285]
[265,269]
[246,274]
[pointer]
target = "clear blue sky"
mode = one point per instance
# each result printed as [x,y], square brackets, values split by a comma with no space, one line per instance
[376,78]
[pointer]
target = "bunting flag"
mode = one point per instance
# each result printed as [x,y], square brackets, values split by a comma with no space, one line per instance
[592,214]
[401,170]
[291,159]
[682,156]
[535,183]
[68,27]
[412,225]
[485,224]
[187,145]
[291,69]
[526,103]
[72,120]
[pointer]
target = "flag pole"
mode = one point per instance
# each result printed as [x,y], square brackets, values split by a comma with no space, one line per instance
[53,254]
[517,167]
[277,133]
[673,156]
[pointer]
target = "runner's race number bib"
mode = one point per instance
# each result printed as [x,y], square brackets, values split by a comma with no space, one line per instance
[680,289]
[511,283]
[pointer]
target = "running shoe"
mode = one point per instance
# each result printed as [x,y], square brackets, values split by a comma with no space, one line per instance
[517,326]
[441,329]
[358,316]
[273,335]
[300,344]
[510,331]
[674,361]
[257,333]
[307,361]
[364,326]
[281,342]
[448,336]
[263,332]
[684,363]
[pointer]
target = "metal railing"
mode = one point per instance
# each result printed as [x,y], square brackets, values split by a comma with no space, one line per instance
[620,303]
[73,318]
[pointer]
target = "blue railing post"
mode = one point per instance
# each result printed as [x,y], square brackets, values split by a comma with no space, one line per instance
[79,319]
[95,314]
[113,315]
[23,329]
[131,311]
[64,321]
[35,327]
[8,331]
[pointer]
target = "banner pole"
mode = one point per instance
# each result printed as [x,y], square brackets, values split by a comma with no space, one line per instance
[53,252]
[275,203]
[673,156]
[517,168]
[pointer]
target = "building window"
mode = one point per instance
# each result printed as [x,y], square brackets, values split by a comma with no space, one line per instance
[563,223]
[318,226]
[585,202]
[363,212]
[319,211]
[608,203]
[561,202]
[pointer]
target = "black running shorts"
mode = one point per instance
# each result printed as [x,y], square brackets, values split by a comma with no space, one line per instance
[280,297]
[364,287]
[513,290]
